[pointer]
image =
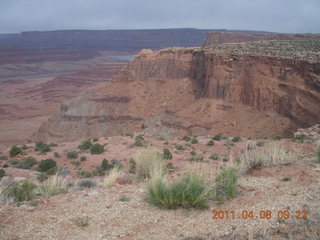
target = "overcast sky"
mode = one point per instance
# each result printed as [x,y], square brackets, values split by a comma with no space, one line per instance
[290,16]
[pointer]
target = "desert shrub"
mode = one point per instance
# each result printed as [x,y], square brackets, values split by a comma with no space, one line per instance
[42,147]
[278,138]
[217,137]
[95,139]
[105,165]
[112,176]
[226,183]
[17,191]
[2,173]
[194,140]
[72,155]
[5,165]
[169,166]
[27,162]
[132,165]
[97,149]
[300,138]
[53,186]
[147,161]
[186,138]
[47,165]
[129,135]
[179,147]
[272,155]
[85,174]
[190,191]
[42,176]
[260,144]
[139,141]
[318,154]
[236,139]
[86,144]
[14,151]
[196,157]
[214,156]
[81,222]
[56,155]
[210,143]
[83,158]
[167,154]
[86,183]
[24,147]
[124,199]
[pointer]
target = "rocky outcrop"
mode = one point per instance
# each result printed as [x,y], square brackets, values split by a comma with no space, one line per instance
[214,38]
[195,91]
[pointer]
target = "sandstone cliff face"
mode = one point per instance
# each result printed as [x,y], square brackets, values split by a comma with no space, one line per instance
[214,38]
[197,92]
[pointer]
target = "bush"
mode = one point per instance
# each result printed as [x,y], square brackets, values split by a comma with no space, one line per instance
[194,140]
[133,164]
[17,191]
[72,155]
[260,144]
[85,174]
[83,158]
[95,139]
[85,145]
[226,184]
[217,137]
[105,165]
[167,154]
[139,141]
[14,151]
[97,149]
[27,162]
[210,143]
[190,191]
[186,138]
[42,177]
[214,156]
[2,173]
[56,155]
[42,147]
[236,139]
[300,138]
[53,186]
[179,147]
[47,165]
[5,165]
[147,162]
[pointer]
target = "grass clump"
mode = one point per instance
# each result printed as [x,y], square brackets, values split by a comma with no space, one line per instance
[236,139]
[42,147]
[72,155]
[132,165]
[111,178]
[83,158]
[226,183]
[210,142]
[189,192]
[85,145]
[2,173]
[17,191]
[194,140]
[166,154]
[214,156]
[139,141]
[53,186]
[97,149]
[286,179]
[14,151]
[179,147]
[27,163]
[146,162]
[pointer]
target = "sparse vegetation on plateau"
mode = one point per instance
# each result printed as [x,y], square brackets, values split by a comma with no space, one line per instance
[210,142]
[48,165]
[86,144]
[186,138]
[97,149]
[72,155]
[42,147]
[217,137]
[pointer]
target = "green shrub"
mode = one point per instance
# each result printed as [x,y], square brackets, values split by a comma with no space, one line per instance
[186,138]
[83,158]
[17,191]
[129,135]
[97,149]
[95,139]
[53,145]
[42,176]
[196,157]
[27,162]
[190,191]
[194,140]
[24,147]
[139,141]
[2,173]
[56,155]
[124,199]
[167,154]
[179,147]
[300,138]
[278,138]
[236,139]
[214,156]
[226,184]
[260,144]
[217,137]
[133,164]
[72,155]
[82,222]
[210,143]
[42,147]
[86,144]
[5,165]
[14,151]
[286,179]
[47,166]
[85,174]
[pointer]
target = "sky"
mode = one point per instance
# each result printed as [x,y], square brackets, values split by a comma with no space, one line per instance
[287,16]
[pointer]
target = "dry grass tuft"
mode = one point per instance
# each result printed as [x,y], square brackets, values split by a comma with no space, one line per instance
[53,186]
[111,178]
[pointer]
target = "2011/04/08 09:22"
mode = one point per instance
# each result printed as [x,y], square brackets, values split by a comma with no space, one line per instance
[263,214]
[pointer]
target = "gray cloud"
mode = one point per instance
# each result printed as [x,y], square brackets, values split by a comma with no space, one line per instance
[268,15]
